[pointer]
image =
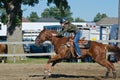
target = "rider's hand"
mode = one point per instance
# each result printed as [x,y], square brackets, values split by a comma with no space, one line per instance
[54,34]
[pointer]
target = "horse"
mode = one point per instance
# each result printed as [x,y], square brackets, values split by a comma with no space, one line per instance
[3,50]
[96,50]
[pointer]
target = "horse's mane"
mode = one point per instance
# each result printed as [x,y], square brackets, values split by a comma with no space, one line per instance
[58,37]
[53,31]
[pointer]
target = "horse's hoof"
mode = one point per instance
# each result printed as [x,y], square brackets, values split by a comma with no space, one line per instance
[45,72]
[44,77]
[114,75]
[107,75]
[49,74]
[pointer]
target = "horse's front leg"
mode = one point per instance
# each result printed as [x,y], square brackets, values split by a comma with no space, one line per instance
[46,69]
[51,67]
[53,60]
[53,64]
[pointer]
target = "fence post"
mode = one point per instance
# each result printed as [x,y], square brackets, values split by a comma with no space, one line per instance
[14,51]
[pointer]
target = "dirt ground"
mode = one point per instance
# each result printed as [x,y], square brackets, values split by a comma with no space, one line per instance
[62,71]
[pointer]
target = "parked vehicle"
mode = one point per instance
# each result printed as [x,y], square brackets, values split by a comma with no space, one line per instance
[32,48]
[26,47]
[45,48]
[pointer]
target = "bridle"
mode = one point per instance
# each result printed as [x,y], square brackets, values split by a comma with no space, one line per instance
[49,37]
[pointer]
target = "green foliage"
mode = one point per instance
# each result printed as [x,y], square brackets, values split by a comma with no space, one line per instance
[4,18]
[70,19]
[99,16]
[103,16]
[30,2]
[14,12]
[33,17]
[59,3]
[62,5]
[79,20]
[51,12]
[55,12]
[29,60]
[18,20]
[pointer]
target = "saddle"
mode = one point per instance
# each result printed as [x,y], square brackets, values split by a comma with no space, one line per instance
[84,44]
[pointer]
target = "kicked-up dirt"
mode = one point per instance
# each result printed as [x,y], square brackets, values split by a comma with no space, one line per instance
[62,71]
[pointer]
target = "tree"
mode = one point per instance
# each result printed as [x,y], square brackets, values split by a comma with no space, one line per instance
[103,16]
[51,12]
[79,20]
[33,17]
[14,12]
[55,12]
[4,18]
[14,15]
[14,18]
[61,5]
[99,16]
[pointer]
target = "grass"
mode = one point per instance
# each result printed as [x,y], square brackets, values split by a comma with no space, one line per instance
[32,60]
[28,60]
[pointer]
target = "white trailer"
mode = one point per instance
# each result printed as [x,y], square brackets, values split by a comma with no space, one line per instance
[3,29]
[31,29]
[3,32]
[100,33]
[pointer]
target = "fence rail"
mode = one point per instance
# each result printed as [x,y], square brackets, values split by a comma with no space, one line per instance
[34,42]
[35,54]
[23,55]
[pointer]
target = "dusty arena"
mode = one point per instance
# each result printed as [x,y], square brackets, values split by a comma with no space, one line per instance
[62,71]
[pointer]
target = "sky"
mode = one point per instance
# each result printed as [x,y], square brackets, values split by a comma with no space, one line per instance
[85,9]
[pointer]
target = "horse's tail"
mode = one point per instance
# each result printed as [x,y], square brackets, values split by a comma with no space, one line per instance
[115,50]
[111,48]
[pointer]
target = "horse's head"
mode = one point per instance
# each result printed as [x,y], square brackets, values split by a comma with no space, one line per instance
[44,35]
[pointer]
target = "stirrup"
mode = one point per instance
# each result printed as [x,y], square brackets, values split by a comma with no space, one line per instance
[79,57]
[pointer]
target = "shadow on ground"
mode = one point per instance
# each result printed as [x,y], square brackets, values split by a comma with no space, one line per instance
[69,76]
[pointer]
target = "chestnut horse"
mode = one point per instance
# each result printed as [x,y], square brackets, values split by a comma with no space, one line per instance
[96,50]
[3,50]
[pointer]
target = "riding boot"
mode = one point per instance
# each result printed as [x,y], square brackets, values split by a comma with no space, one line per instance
[79,57]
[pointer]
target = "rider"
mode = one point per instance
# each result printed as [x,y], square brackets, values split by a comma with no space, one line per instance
[68,27]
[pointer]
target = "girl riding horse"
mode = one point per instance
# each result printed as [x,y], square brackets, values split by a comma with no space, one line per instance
[97,51]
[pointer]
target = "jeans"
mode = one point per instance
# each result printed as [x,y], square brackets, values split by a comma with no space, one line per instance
[78,34]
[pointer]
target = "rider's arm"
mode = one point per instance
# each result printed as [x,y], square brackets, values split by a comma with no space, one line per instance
[61,33]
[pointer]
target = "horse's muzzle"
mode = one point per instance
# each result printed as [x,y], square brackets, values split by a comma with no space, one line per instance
[37,42]
[37,45]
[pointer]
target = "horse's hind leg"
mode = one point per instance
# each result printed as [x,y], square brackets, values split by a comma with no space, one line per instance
[4,59]
[105,64]
[113,69]
[109,67]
